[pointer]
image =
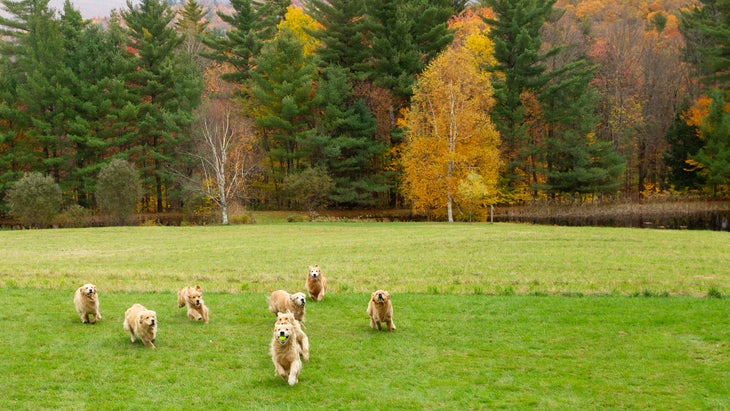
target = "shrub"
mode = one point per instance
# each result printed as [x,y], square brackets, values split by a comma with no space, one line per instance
[74,216]
[118,189]
[310,188]
[35,200]
[241,219]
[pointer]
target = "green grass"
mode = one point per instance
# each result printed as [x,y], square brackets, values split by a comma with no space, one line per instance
[449,352]
[489,317]
[359,257]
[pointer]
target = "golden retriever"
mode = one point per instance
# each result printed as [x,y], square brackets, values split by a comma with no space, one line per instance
[192,298]
[316,283]
[281,301]
[380,309]
[141,323]
[288,318]
[285,351]
[86,301]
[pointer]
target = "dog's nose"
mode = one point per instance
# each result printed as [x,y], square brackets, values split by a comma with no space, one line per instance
[152,322]
[281,333]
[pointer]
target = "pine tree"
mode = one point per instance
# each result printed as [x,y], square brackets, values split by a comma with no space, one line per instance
[684,142]
[240,44]
[98,60]
[576,161]
[191,25]
[707,33]
[252,24]
[520,63]
[168,89]
[345,35]
[282,88]
[407,34]
[43,91]
[713,158]
[17,152]
[351,146]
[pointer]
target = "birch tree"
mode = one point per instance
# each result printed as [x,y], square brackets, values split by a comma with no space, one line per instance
[449,133]
[224,149]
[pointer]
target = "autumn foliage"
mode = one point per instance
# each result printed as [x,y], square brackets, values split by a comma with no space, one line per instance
[450,134]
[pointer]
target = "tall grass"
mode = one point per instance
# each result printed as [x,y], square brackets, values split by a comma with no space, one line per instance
[358,257]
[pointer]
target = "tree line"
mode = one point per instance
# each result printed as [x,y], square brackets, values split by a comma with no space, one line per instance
[444,106]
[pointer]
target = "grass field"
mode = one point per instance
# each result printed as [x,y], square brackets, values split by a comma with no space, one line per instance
[488,316]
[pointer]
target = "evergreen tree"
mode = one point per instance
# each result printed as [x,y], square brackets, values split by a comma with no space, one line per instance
[240,44]
[714,157]
[252,24]
[282,88]
[407,34]
[17,152]
[576,161]
[191,25]
[684,142]
[98,61]
[345,35]
[83,106]
[516,35]
[45,91]
[707,33]
[351,147]
[168,90]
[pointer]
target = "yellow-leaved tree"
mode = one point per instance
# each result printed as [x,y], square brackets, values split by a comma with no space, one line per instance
[449,134]
[300,24]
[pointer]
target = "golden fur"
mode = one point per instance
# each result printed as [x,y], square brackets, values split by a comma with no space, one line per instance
[141,323]
[281,301]
[380,309]
[285,353]
[316,283]
[86,301]
[192,298]
[288,318]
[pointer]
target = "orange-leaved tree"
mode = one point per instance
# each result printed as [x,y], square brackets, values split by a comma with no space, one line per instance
[449,133]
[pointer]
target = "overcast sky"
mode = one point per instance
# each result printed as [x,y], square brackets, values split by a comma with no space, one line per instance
[92,8]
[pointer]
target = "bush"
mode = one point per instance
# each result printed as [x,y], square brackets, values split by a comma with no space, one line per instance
[35,200]
[118,190]
[310,188]
[75,216]
[241,219]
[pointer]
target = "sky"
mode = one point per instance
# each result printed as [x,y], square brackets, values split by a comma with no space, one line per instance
[92,8]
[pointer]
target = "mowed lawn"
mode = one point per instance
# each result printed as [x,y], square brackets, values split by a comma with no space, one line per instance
[488,316]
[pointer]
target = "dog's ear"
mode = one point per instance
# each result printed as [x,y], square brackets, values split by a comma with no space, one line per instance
[197,287]
[387,295]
